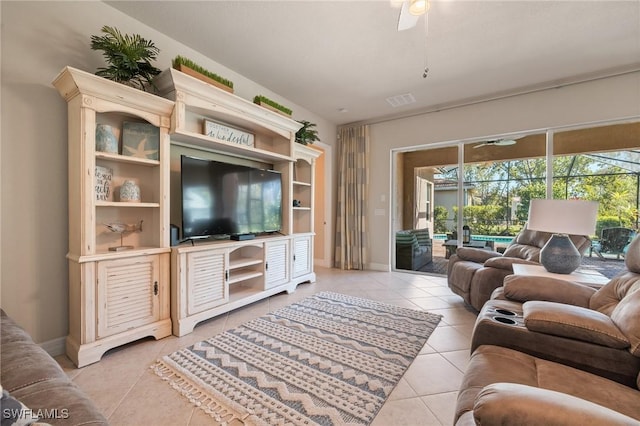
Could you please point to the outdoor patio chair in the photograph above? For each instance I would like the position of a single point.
(614, 241)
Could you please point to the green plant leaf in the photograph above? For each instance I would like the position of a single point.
(128, 57)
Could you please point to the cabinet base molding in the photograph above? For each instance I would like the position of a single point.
(182, 326)
(88, 353)
(306, 278)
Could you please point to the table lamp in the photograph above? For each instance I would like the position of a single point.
(562, 218)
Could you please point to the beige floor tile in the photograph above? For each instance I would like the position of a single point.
(405, 412)
(402, 391)
(152, 401)
(443, 405)
(439, 291)
(67, 366)
(446, 338)
(466, 329)
(458, 358)
(430, 303)
(455, 316)
(431, 373)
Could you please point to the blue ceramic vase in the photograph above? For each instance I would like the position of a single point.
(106, 140)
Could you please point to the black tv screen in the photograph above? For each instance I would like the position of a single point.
(228, 199)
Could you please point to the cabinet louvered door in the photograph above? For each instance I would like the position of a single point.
(206, 280)
(127, 294)
(277, 264)
(301, 256)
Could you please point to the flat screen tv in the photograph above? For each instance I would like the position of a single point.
(221, 199)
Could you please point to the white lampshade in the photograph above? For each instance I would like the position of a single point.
(574, 217)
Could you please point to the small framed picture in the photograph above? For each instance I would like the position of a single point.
(140, 140)
(228, 133)
(104, 175)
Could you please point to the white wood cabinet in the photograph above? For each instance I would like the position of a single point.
(256, 268)
(302, 255)
(206, 279)
(231, 274)
(277, 267)
(303, 212)
(115, 296)
(119, 295)
(127, 294)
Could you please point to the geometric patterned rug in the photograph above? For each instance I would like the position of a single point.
(330, 359)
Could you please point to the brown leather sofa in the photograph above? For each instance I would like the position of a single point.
(30, 376)
(524, 349)
(474, 273)
(593, 330)
(502, 386)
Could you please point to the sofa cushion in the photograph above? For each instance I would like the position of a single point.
(573, 322)
(477, 255)
(34, 378)
(524, 288)
(515, 404)
(406, 238)
(523, 251)
(626, 315)
(494, 364)
(422, 235)
(505, 262)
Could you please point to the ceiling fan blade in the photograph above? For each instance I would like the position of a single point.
(480, 145)
(406, 20)
(505, 142)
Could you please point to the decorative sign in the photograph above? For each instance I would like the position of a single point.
(104, 175)
(227, 133)
(140, 140)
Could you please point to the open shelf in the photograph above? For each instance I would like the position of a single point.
(125, 204)
(126, 159)
(236, 277)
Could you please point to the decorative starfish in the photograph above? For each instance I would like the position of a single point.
(140, 151)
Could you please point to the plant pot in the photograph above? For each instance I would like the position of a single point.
(202, 77)
(269, 107)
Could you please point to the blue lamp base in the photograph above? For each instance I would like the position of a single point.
(559, 255)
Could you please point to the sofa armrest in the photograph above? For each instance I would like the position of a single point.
(476, 255)
(573, 322)
(524, 288)
(506, 262)
(516, 404)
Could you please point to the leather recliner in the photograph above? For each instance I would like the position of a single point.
(474, 273)
(502, 386)
(593, 330)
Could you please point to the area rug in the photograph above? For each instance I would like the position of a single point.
(330, 359)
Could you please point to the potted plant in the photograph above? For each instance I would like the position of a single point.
(189, 67)
(271, 105)
(129, 58)
(307, 135)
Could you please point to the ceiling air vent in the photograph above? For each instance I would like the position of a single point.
(401, 100)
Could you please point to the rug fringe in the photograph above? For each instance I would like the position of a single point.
(195, 395)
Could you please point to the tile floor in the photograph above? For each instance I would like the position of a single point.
(129, 393)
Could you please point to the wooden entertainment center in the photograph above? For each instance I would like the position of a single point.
(120, 295)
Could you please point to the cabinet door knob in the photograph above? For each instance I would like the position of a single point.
(155, 288)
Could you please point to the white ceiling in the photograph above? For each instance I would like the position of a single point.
(333, 55)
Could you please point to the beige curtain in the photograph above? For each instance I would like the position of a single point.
(353, 189)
